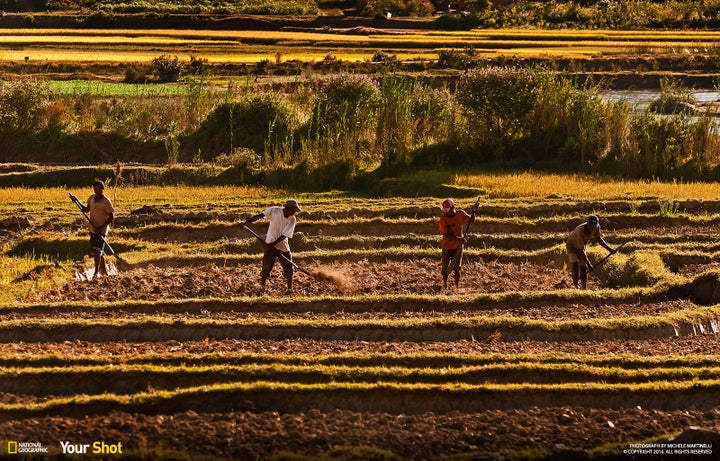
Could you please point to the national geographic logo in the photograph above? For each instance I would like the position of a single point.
(68, 448)
(21, 448)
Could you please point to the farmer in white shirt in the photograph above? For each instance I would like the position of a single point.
(281, 228)
(101, 212)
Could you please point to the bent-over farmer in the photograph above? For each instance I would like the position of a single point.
(580, 236)
(280, 230)
(101, 215)
(451, 228)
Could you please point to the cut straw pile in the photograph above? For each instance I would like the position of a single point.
(341, 280)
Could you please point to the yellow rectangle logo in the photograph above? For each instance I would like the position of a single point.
(12, 448)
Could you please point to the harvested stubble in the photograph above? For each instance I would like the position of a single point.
(342, 281)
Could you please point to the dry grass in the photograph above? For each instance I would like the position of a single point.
(343, 281)
(582, 187)
(126, 45)
(178, 195)
(526, 185)
(511, 35)
(212, 56)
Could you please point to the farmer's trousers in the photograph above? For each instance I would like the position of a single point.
(447, 255)
(97, 244)
(269, 257)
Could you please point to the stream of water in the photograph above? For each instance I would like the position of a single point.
(643, 98)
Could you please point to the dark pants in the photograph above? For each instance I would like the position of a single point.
(97, 245)
(268, 261)
(579, 274)
(97, 249)
(447, 255)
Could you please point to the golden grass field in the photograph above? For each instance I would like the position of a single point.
(527, 185)
(124, 45)
(538, 185)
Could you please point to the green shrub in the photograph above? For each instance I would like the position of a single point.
(674, 98)
(345, 97)
(381, 56)
(344, 120)
(665, 147)
(198, 102)
(24, 106)
(575, 126)
(99, 19)
(411, 116)
(198, 66)
(263, 122)
(241, 157)
(172, 147)
(457, 59)
(454, 21)
(166, 69)
(499, 103)
(434, 115)
(380, 8)
(141, 118)
(134, 75)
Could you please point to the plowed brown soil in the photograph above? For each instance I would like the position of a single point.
(682, 345)
(692, 270)
(249, 432)
(568, 432)
(574, 311)
(419, 276)
(252, 436)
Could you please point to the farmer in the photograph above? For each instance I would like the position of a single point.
(101, 215)
(576, 242)
(451, 228)
(281, 228)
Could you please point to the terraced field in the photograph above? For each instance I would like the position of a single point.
(180, 355)
(304, 44)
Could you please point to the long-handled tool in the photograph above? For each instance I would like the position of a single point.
(458, 254)
(608, 255)
(105, 244)
(340, 280)
(282, 255)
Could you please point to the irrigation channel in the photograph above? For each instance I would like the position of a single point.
(180, 353)
(643, 98)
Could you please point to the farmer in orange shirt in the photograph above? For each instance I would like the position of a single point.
(451, 228)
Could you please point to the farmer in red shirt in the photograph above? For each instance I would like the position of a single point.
(451, 228)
